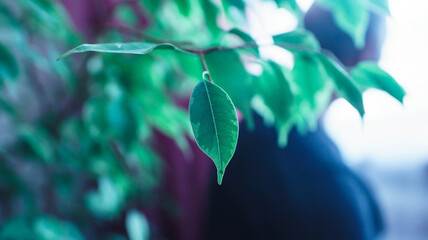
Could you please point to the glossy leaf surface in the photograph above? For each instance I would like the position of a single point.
(214, 124)
(124, 48)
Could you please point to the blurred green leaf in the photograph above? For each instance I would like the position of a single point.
(276, 94)
(184, 6)
(39, 142)
(8, 65)
(108, 200)
(228, 72)
(126, 14)
(380, 6)
(290, 5)
(351, 16)
(17, 229)
(313, 90)
(344, 83)
(370, 75)
(235, 11)
(297, 39)
(137, 226)
(214, 124)
(49, 228)
(246, 38)
(211, 12)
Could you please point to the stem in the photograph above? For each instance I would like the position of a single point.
(204, 64)
(200, 52)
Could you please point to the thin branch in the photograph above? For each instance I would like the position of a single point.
(201, 51)
(204, 64)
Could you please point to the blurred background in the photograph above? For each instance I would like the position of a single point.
(98, 146)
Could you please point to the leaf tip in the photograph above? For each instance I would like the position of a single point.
(220, 175)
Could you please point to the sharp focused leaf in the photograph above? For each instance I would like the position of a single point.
(369, 75)
(137, 226)
(297, 39)
(344, 83)
(227, 71)
(214, 124)
(351, 16)
(124, 48)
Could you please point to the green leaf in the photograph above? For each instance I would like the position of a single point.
(39, 142)
(49, 228)
(370, 75)
(214, 124)
(344, 83)
(227, 71)
(297, 39)
(380, 6)
(211, 12)
(288, 4)
(246, 38)
(124, 48)
(276, 94)
(137, 226)
(184, 6)
(108, 200)
(8, 66)
(351, 16)
(16, 229)
(313, 90)
(235, 11)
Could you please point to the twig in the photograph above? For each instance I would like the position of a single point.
(204, 64)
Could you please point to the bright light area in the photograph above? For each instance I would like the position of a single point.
(391, 134)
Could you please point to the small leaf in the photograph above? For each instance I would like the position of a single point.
(369, 75)
(235, 11)
(246, 38)
(137, 226)
(211, 12)
(380, 6)
(124, 48)
(313, 88)
(297, 39)
(184, 6)
(276, 94)
(228, 72)
(289, 4)
(50, 228)
(214, 124)
(344, 83)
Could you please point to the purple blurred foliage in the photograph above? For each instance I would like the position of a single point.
(179, 209)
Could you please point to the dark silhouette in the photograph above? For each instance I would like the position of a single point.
(303, 191)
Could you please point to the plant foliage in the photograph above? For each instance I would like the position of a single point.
(86, 124)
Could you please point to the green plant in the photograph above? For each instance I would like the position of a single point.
(99, 112)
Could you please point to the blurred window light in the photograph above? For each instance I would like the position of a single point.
(391, 134)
